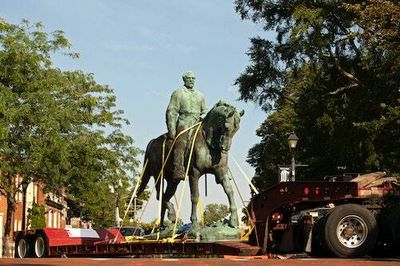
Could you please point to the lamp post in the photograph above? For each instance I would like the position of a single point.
(24, 188)
(292, 141)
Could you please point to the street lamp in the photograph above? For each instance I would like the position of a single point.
(292, 141)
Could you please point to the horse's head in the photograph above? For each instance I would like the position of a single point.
(220, 124)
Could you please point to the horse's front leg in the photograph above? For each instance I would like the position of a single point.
(224, 179)
(167, 205)
(194, 197)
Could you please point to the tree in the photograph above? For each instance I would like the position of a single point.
(59, 128)
(215, 212)
(36, 216)
(24, 81)
(332, 76)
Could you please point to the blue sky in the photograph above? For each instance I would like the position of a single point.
(141, 48)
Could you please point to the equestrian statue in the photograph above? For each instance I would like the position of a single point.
(209, 142)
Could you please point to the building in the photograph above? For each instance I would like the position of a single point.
(55, 206)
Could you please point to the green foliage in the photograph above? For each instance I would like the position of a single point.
(332, 75)
(60, 128)
(214, 212)
(36, 216)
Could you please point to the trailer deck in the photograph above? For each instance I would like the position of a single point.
(144, 248)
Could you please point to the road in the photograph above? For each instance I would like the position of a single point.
(228, 260)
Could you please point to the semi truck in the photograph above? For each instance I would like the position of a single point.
(322, 218)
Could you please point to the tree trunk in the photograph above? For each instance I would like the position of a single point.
(7, 227)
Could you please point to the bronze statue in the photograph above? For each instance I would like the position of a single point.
(210, 155)
(185, 109)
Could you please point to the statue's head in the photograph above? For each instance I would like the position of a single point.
(189, 79)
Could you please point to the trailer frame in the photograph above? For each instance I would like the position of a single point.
(270, 212)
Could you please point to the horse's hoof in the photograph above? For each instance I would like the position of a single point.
(171, 217)
(234, 223)
(195, 227)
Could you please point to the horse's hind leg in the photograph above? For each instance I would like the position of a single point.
(143, 183)
(171, 212)
(223, 177)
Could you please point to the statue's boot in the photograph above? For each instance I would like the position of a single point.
(179, 158)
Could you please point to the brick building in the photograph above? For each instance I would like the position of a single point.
(55, 206)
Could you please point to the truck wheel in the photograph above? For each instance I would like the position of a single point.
(23, 247)
(40, 247)
(351, 231)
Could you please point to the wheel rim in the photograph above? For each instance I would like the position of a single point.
(39, 247)
(22, 248)
(352, 231)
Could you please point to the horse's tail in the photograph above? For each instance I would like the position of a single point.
(147, 173)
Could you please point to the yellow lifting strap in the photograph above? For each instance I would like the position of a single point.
(240, 194)
(133, 196)
(186, 177)
(171, 148)
(201, 210)
(163, 165)
(243, 204)
(155, 225)
(245, 176)
(136, 188)
(245, 237)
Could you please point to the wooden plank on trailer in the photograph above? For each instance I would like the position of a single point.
(364, 180)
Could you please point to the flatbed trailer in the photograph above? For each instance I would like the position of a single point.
(344, 219)
(52, 242)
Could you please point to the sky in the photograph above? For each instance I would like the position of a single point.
(141, 48)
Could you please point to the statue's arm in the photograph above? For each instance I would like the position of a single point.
(172, 114)
(203, 110)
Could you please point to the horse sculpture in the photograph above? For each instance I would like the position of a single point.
(210, 155)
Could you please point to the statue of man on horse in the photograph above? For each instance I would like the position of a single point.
(206, 152)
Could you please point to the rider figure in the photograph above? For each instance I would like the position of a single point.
(185, 108)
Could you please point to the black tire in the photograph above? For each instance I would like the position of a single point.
(23, 247)
(40, 246)
(350, 231)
